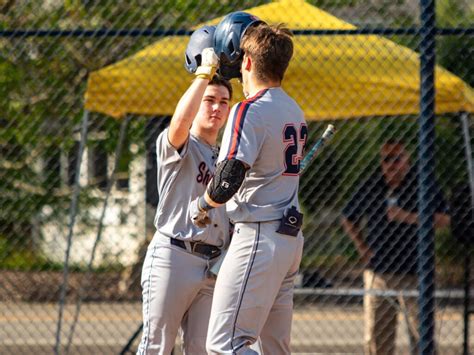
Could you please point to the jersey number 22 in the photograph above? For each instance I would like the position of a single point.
(295, 140)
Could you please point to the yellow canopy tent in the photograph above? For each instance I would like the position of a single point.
(331, 77)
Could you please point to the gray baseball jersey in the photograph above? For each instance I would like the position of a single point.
(268, 133)
(177, 292)
(182, 177)
(254, 289)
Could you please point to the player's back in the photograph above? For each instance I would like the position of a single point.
(272, 145)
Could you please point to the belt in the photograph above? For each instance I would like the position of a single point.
(206, 250)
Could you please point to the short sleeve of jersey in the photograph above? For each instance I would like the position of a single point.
(165, 152)
(244, 134)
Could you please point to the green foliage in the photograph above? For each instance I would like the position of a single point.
(22, 259)
(455, 52)
(451, 13)
(451, 165)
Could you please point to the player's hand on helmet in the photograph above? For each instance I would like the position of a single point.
(199, 217)
(209, 64)
(209, 58)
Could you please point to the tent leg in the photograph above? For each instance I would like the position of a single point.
(467, 258)
(110, 184)
(72, 221)
(468, 151)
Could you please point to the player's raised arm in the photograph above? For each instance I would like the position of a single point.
(204, 65)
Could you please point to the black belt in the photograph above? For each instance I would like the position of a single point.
(206, 250)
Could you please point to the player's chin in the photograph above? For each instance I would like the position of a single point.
(216, 122)
(215, 118)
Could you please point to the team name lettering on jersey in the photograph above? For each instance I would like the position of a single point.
(205, 175)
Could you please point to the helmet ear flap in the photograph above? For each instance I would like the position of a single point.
(188, 60)
(234, 45)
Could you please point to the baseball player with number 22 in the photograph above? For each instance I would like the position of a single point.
(257, 178)
(177, 286)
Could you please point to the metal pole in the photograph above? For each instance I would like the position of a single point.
(467, 258)
(110, 184)
(72, 222)
(468, 151)
(130, 341)
(426, 265)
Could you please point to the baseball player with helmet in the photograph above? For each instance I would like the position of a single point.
(177, 287)
(257, 177)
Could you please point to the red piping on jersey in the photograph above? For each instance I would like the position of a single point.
(238, 123)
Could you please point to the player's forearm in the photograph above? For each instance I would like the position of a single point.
(441, 220)
(186, 111)
(210, 201)
(398, 214)
(206, 203)
(227, 180)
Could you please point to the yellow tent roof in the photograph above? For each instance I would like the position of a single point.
(331, 77)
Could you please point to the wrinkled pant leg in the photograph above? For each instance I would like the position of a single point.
(408, 308)
(196, 320)
(380, 317)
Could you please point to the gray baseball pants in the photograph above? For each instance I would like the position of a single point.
(253, 296)
(177, 294)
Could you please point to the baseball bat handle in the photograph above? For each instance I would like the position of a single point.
(327, 135)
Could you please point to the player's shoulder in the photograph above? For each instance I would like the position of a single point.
(248, 108)
(279, 97)
(160, 139)
(245, 116)
(258, 97)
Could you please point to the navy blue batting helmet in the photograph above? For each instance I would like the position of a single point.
(227, 38)
(200, 39)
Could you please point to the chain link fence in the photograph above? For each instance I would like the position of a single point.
(78, 187)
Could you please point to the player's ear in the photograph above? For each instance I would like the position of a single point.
(247, 62)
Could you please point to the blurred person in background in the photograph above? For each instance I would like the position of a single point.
(382, 220)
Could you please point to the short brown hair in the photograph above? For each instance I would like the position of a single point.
(271, 49)
(220, 81)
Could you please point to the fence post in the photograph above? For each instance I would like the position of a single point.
(426, 266)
